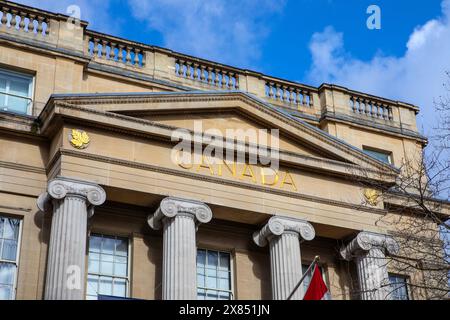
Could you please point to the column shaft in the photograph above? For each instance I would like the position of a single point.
(67, 248)
(373, 275)
(286, 266)
(179, 258)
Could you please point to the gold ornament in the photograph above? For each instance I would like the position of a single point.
(79, 139)
(372, 196)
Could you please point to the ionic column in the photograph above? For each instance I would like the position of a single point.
(369, 252)
(179, 219)
(72, 203)
(283, 235)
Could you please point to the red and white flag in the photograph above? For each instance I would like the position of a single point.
(317, 287)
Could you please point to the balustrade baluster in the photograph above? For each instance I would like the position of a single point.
(120, 53)
(224, 80)
(277, 90)
(210, 79)
(230, 80)
(30, 26)
(202, 73)
(112, 52)
(103, 52)
(95, 48)
(188, 69)
(136, 57)
(40, 27)
(4, 19)
(196, 71)
(271, 90)
(128, 56)
(216, 78)
(13, 21)
(22, 21)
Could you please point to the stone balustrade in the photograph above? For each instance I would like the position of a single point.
(103, 47)
(56, 31)
(206, 73)
(370, 107)
(289, 93)
(24, 20)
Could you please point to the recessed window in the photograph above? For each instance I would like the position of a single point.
(107, 267)
(9, 257)
(16, 92)
(381, 155)
(398, 287)
(308, 277)
(213, 275)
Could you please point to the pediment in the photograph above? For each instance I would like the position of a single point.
(300, 143)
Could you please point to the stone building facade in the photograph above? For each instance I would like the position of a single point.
(91, 201)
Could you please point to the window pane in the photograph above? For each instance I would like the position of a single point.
(2, 101)
(122, 247)
(95, 243)
(212, 259)
(94, 265)
(5, 292)
(201, 294)
(120, 269)
(224, 261)
(106, 267)
(120, 288)
(19, 87)
(7, 273)
(11, 229)
(9, 250)
(16, 104)
(201, 258)
(108, 245)
(105, 286)
(385, 157)
(92, 285)
(2, 83)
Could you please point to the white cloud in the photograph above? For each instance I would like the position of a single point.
(229, 31)
(96, 12)
(416, 76)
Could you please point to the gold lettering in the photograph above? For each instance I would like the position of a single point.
(247, 167)
(207, 166)
(182, 164)
(263, 177)
(290, 182)
(232, 169)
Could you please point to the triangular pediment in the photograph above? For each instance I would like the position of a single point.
(300, 143)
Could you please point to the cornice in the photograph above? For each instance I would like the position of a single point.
(328, 166)
(220, 96)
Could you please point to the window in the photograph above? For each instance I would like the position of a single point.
(398, 287)
(107, 267)
(213, 275)
(15, 92)
(384, 156)
(9, 256)
(308, 277)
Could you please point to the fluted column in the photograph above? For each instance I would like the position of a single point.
(179, 219)
(283, 235)
(72, 203)
(368, 250)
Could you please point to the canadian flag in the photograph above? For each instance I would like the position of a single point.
(317, 287)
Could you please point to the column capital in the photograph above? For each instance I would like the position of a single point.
(277, 225)
(366, 241)
(60, 187)
(171, 207)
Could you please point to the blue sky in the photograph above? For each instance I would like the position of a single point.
(310, 41)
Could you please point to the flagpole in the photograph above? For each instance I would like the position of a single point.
(316, 259)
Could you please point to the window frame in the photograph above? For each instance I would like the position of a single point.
(406, 279)
(23, 75)
(381, 151)
(17, 261)
(129, 253)
(231, 272)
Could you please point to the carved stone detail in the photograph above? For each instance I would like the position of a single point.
(283, 234)
(179, 219)
(73, 203)
(170, 207)
(366, 241)
(278, 225)
(369, 252)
